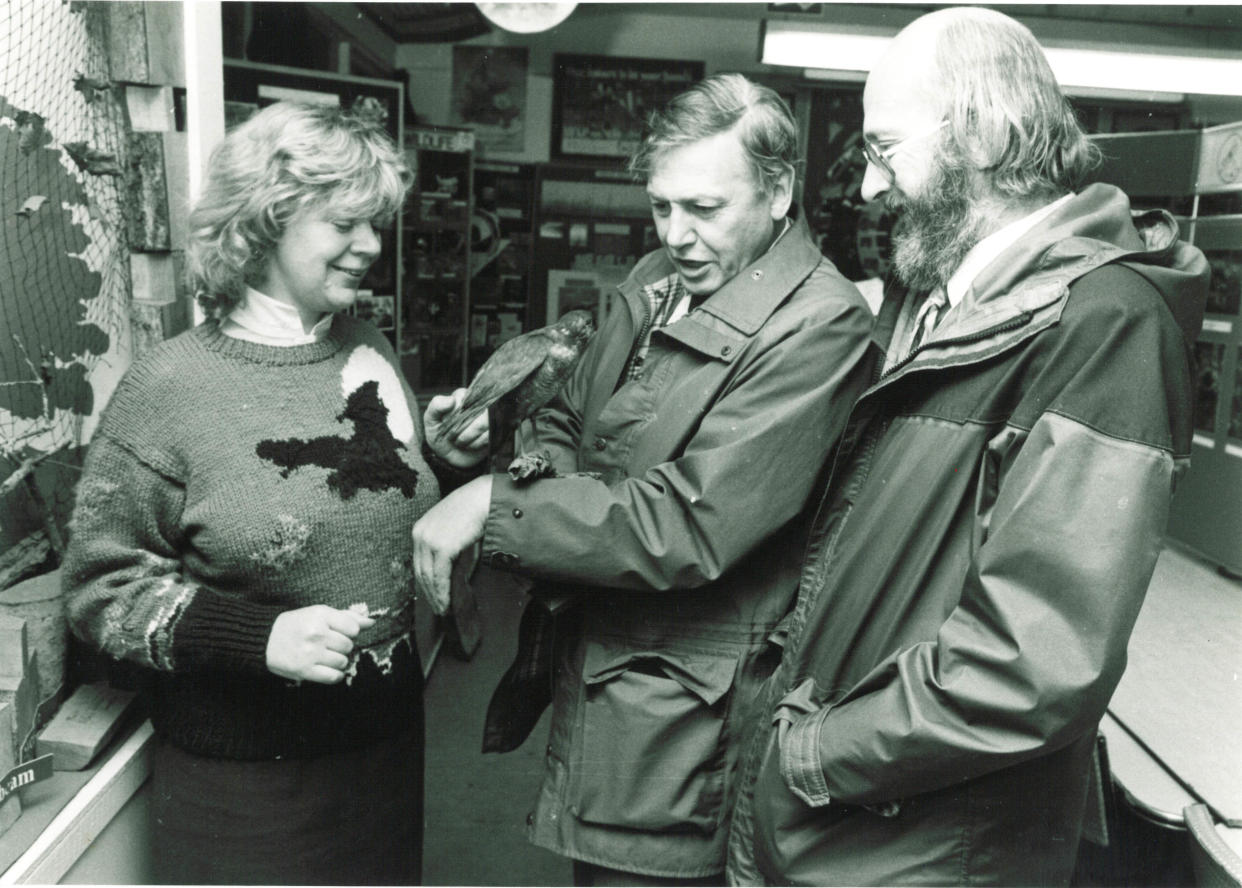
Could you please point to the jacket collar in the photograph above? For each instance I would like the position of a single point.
(748, 300)
(1024, 289)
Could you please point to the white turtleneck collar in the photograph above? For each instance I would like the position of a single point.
(267, 321)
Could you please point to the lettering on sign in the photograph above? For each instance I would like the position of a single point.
(25, 774)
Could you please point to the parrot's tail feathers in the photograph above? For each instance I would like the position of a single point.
(456, 423)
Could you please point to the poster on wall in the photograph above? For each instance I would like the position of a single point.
(569, 290)
(489, 95)
(600, 103)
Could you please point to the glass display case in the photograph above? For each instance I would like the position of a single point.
(502, 256)
(435, 300)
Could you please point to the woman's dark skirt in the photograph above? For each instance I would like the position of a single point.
(349, 818)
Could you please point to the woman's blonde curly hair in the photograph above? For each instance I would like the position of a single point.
(286, 158)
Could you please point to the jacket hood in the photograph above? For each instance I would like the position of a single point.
(1097, 226)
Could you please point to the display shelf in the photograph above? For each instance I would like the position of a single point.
(435, 302)
(502, 237)
(593, 224)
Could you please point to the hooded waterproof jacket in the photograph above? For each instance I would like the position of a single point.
(977, 563)
(682, 548)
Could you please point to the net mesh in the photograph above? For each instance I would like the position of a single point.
(64, 267)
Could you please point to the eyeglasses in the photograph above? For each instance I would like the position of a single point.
(880, 156)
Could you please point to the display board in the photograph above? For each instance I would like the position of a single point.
(600, 103)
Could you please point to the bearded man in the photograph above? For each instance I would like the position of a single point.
(997, 502)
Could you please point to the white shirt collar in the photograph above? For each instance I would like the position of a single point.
(267, 321)
(982, 253)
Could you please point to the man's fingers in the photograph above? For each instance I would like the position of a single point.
(426, 575)
(440, 584)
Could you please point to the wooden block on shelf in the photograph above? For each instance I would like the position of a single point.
(11, 807)
(84, 725)
(13, 649)
(22, 693)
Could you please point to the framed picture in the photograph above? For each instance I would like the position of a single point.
(568, 290)
(376, 309)
(489, 95)
(600, 103)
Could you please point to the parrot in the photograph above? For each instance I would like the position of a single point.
(521, 376)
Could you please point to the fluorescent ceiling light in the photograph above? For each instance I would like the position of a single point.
(1156, 74)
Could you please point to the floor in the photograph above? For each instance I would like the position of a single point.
(476, 805)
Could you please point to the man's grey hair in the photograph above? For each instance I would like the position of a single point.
(718, 104)
(1006, 113)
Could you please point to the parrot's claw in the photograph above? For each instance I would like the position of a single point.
(531, 466)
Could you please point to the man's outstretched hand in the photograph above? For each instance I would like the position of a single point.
(443, 533)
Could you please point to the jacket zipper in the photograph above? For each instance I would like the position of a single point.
(643, 330)
(1014, 323)
(866, 448)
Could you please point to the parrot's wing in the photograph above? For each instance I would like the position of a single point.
(507, 368)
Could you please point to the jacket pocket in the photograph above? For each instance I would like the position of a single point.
(650, 754)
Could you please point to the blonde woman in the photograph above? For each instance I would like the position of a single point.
(242, 527)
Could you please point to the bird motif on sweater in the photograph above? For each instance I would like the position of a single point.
(367, 459)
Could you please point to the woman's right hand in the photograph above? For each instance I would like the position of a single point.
(313, 643)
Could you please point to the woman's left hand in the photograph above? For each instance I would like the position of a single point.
(467, 448)
(443, 533)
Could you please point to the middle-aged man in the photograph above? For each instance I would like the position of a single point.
(998, 499)
(705, 408)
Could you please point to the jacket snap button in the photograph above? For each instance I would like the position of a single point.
(756, 274)
(726, 351)
(600, 443)
(517, 513)
(548, 751)
(530, 819)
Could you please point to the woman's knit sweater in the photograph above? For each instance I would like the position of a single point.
(231, 481)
